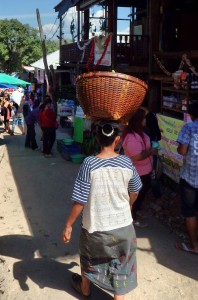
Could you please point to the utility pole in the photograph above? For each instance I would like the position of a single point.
(47, 71)
(61, 31)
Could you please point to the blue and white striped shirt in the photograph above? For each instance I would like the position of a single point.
(103, 186)
(189, 136)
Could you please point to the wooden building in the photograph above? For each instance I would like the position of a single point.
(162, 37)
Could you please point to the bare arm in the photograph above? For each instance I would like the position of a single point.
(133, 197)
(144, 154)
(75, 212)
(182, 149)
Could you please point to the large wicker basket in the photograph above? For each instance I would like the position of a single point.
(109, 95)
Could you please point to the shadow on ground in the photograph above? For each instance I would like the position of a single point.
(162, 245)
(45, 272)
(45, 187)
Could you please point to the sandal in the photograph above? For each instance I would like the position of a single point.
(185, 247)
(76, 284)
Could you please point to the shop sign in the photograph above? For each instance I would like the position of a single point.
(169, 157)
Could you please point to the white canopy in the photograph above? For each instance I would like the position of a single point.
(52, 59)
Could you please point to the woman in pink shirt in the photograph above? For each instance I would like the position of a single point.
(137, 146)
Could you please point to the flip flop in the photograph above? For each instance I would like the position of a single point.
(185, 247)
(76, 284)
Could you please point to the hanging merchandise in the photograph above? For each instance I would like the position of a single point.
(91, 55)
(189, 64)
(83, 48)
(102, 50)
(161, 66)
(184, 60)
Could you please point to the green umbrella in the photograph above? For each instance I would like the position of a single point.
(7, 79)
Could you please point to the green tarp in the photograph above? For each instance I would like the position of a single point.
(7, 79)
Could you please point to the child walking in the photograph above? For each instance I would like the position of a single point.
(105, 189)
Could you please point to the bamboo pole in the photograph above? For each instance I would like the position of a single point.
(47, 71)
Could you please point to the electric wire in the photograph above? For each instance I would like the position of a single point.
(49, 39)
(52, 28)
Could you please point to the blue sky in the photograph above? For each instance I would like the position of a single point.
(25, 12)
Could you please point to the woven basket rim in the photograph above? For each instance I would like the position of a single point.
(113, 75)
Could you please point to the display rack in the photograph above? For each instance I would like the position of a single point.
(175, 101)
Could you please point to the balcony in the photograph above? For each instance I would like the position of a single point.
(130, 50)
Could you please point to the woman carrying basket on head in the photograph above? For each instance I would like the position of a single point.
(105, 189)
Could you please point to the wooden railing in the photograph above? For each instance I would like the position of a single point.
(132, 49)
(72, 54)
(129, 49)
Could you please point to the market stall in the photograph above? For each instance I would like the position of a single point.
(7, 79)
(177, 92)
(65, 112)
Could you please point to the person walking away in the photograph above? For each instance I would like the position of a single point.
(31, 119)
(137, 146)
(106, 187)
(47, 120)
(26, 107)
(18, 119)
(3, 112)
(41, 108)
(188, 147)
(35, 99)
(6, 113)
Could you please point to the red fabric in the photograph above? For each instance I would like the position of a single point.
(47, 118)
(91, 55)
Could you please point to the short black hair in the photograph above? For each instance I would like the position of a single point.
(107, 131)
(47, 100)
(36, 104)
(193, 109)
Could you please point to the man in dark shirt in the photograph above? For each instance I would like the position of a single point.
(31, 120)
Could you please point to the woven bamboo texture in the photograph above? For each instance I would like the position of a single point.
(109, 95)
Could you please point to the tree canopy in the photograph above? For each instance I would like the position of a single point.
(20, 45)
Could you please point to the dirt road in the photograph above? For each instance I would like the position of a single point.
(35, 264)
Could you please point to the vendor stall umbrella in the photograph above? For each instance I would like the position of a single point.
(8, 86)
(7, 79)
